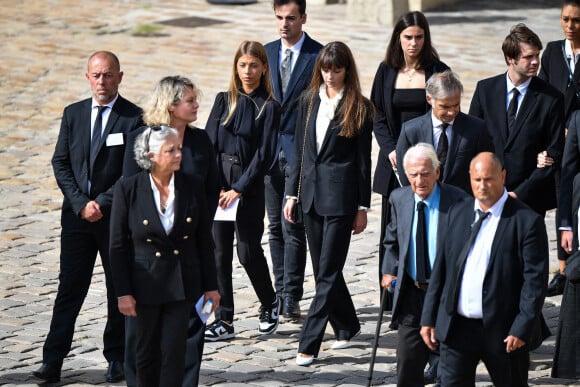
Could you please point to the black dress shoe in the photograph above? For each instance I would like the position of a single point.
(556, 285)
(50, 373)
(115, 372)
(291, 308)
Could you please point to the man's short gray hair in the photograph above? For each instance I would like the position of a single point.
(443, 85)
(421, 151)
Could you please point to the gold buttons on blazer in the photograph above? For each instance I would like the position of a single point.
(188, 219)
(145, 222)
(158, 254)
(149, 240)
(175, 252)
(185, 237)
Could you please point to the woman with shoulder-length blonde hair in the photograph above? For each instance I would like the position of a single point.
(331, 174)
(243, 126)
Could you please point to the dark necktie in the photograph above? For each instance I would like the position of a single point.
(286, 69)
(422, 246)
(452, 301)
(96, 136)
(442, 148)
(512, 110)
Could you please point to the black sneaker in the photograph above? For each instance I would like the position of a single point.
(219, 330)
(269, 318)
(556, 285)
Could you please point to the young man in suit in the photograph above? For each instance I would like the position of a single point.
(403, 256)
(485, 297)
(457, 137)
(291, 59)
(87, 161)
(526, 125)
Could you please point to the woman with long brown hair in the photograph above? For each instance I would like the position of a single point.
(331, 175)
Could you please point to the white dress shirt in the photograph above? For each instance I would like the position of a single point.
(470, 303)
(167, 217)
(325, 114)
(437, 130)
(523, 89)
(295, 52)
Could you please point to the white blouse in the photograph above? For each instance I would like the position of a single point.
(325, 114)
(167, 217)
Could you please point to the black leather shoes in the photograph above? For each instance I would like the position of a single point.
(115, 372)
(50, 373)
(556, 285)
(291, 308)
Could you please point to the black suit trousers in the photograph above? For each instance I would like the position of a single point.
(328, 239)
(161, 341)
(466, 345)
(248, 229)
(80, 242)
(287, 240)
(193, 352)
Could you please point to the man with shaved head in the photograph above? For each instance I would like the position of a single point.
(488, 285)
(87, 161)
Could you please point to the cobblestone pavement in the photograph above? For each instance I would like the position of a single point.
(44, 45)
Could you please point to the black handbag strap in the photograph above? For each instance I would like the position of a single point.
(571, 80)
(310, 104)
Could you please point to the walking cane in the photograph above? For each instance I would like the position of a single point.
(377, 334)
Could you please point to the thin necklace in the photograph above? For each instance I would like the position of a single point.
(410, 74)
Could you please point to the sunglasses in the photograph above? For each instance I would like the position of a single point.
(155, 128)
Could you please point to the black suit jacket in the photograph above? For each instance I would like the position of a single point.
(539, 127)
(70, 161)
(570, 168)
(515, 282)
(398, 235)
(556, 72)
(198, 162)
(299, 81)
(469, 137)
(336, 180)
(386, 132)
(146, 262)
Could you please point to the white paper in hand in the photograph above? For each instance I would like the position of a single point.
(229, 214)
(203, 310)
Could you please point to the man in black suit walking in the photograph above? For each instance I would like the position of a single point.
(403, 258)
(525, 116)
(87, 161)
(487, 289)
(291, 59)
(457, 137)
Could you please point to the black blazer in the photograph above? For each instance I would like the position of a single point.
(147, 263)
(556, 72)
(70, 160)
(398, 235)
(336, 180)
(299, 81)
(570, 168)
(539, 127)
(469, 137)
(197, 162)
(515, 282)
(252, 132)
(386, 132)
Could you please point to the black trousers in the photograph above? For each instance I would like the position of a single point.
(328, 239)
(80, 241)
(467, 344)
(161, 332)
(287, 240)
(193, 351)
(412, 353)
(248, 229)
